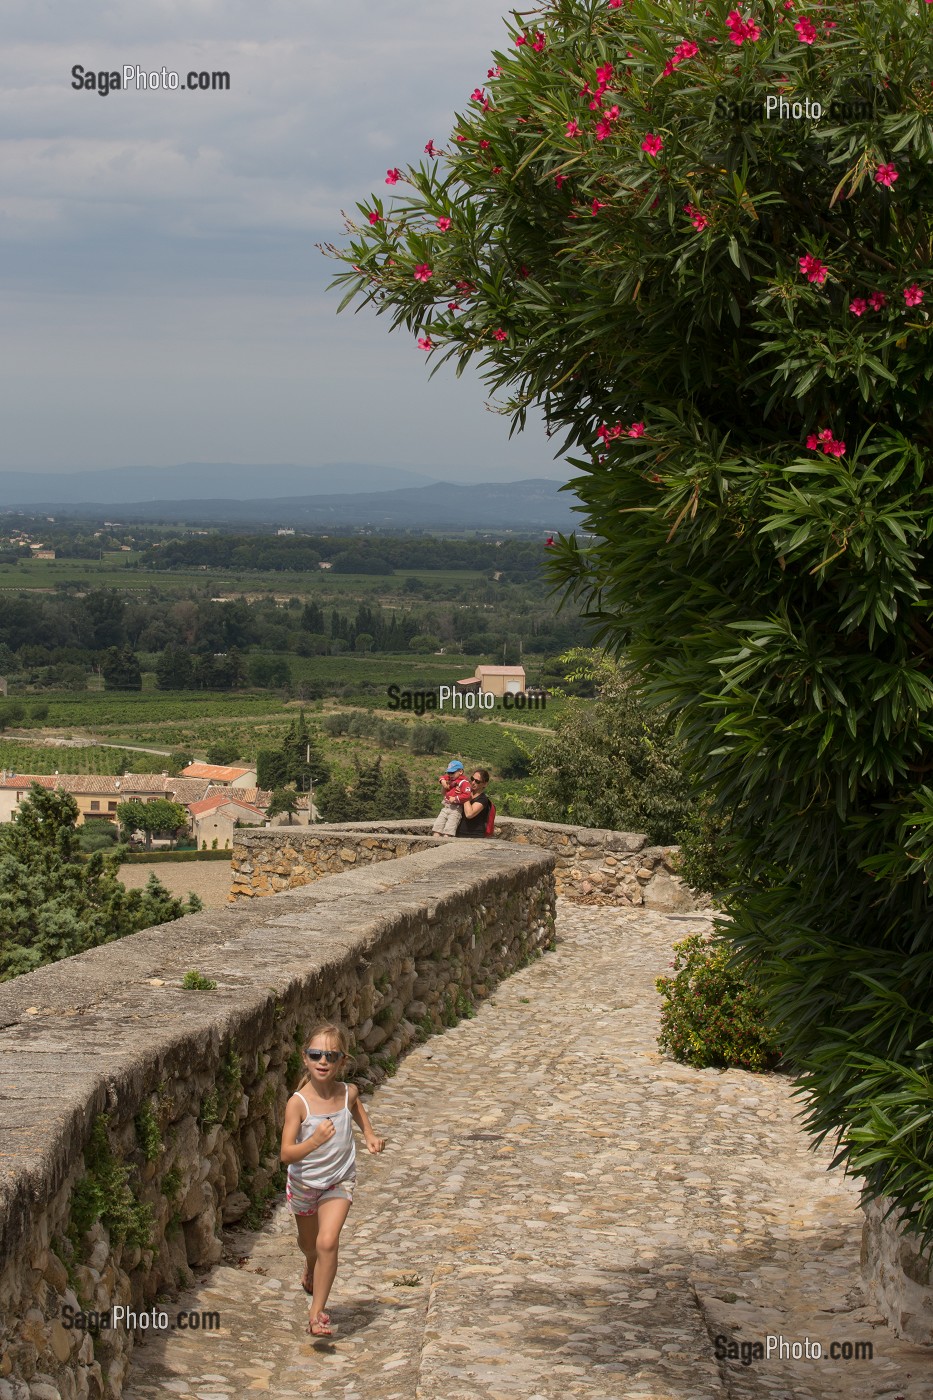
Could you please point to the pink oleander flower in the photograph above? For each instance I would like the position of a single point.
(604, 76)
(550, 539)
(688, 49)
(826, 443)
(520, 39)
(652, 144)
(461, 138)
(698, 220)
(539, 42)
(393, 177)
(500, 334)
(598, 204)
(423, 273)
(609, 434)
(477, 95)
(573, 129)
(603, 129)
(430, 149)
(443, 223)
(524, 271)
(741, 29)
(560, 180)
(877, 301)
(637, 430)
(813, 269)
(617, 4)
(425, 342)
(453, 306)
(858, 306)
(597, 103)
(806, 31)
(484, 145)
(886, 175)
(668, 68)
(493, 72)
(466, 288)
(913, 295)
(375, 217)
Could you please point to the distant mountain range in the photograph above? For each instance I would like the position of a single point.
(535, 504)
(199, 481)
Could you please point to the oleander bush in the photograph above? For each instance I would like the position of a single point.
(713, 1014)
(724, 317)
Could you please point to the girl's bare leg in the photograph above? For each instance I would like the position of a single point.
(307, 1243)
(331, 1215)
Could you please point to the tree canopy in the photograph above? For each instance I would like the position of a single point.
(54, 901)
(611, 764)
(723, 311)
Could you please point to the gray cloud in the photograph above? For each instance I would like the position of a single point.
(163, 297)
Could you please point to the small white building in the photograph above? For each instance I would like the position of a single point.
(495, 680)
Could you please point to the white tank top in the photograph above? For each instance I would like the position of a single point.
(334, 1160)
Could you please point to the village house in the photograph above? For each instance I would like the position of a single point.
(495, 680)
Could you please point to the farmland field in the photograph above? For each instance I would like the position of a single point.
(116, 571)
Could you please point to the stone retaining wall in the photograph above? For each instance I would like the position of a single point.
(899, 1277)
(137, 1117)
(612, 867)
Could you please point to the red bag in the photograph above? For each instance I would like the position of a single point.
(491, 819)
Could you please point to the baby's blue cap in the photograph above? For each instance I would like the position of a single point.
(455, 766)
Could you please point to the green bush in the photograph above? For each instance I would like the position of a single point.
(713, 1016)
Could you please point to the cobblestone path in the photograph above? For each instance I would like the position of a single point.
(560, 1213)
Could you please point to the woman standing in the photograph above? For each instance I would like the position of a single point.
(476, 808)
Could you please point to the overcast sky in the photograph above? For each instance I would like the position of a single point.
(163, 300)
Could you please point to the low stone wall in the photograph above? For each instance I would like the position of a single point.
(137, 1117)
(612, 867)
(899, 1277)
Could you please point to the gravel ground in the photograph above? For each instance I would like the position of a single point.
(209, 879)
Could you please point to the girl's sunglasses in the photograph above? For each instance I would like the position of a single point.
(331, 1056)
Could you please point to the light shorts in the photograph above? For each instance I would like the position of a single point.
(304, 1200)
(447, 820)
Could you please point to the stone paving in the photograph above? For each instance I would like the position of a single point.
(560, 1213)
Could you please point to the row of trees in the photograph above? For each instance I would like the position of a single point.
(204, 644)
(376, 794)
(346, 554)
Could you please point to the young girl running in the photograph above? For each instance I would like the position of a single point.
(317, 1144)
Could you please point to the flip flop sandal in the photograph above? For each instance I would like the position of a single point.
(319, 1326)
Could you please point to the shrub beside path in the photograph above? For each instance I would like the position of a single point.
(560, 1212)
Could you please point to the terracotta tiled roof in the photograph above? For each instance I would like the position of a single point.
(128, 786)
(210, 804)
(499, 670)
(216, 772)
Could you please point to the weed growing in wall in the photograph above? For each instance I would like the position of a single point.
(147, 1133)
(103, 1193)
